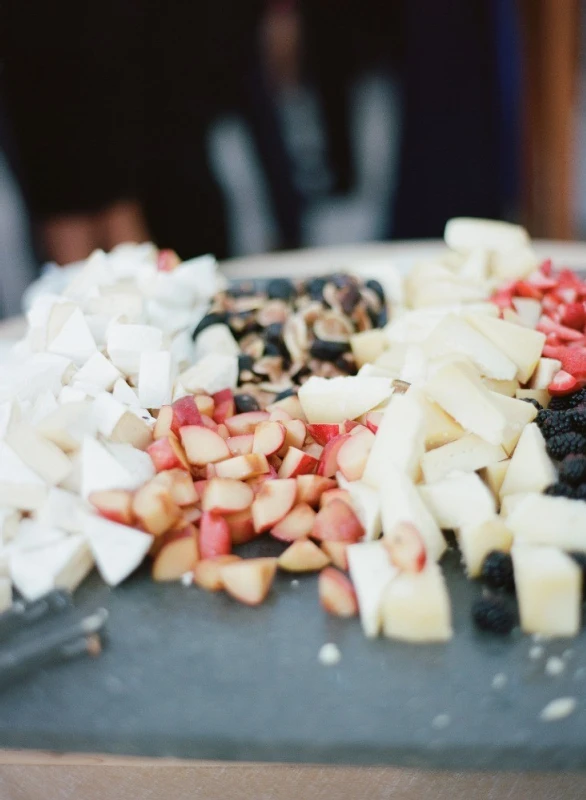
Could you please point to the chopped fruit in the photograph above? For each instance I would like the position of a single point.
(241, 526)
(185, 412)
(328, 463)
(269, 437)
(245, 423)
(240, 445)
(373, 420)
(547, 326)
(371, 572)
(291, 405)
(314, 450)
(337, 522)
(256, 483)
(166, 453)
(405, 548)
(494, 615)
(497, 571)
(563, 383)
(574, 316)
(399, 439)
(295, 433)
(573, 359)
(311, 487)
(224, 405)
(190, 515)
(203, 446)
(353, 454)
(477, 541)
(177, 556)
(337, 552)
(180, 486)
(163, 422)
(323, 432)
(298, 524)
(273, 502)
(572, 469)
(336, 593)
(167, 260)
(303, 556)
(226, 496)
(154, 508)
(335, 494)
(208, 422)
(214, 536)
(205, 404)
(207, 572)
(249, 581)
(565, 444)
(114, 504)
(223, 431)
(242, 467)
(416, 607)
(296, 462)
(278, 415)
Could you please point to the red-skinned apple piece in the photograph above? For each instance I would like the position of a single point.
(178, 555)
(114, 504)
(335, 494)
(278, 415)
(206, 573)
(336, 593)
(209, 423)
(224, 405)
(349, 425)
(223, 431)
(269, 437)
(226, 496)
(154, 508)
(249, 581)
(373, 420)
(337, 522)
(314, 449)
(185, 412)
(303, 556)
(324, 432)
(241, 526)
(406, 548)
(256, 483)
(354, 452)
(337, 552)
(167, 454)
(328, 463)
(162, 427)
(190, 515)
(205, 404)
(296, 462)
(203, 446)
(295, 434)
(291, 405)
(246, 422)
(180, 486)
(298, 524)
(240, 445)
(214, 536)
(311, 487)
(273, 502)
(243, 467)
(167, 260)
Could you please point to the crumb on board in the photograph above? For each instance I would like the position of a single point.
(558, 709)
(187, 578)
(294, 583)
(555, 665)
(536, 652)
(441, 721)
(499, 681)
(329, 655)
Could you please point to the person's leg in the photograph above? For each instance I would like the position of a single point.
(122, 222)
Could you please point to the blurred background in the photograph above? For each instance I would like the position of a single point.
(243, 126)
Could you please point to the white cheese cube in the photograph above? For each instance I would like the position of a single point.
(117, 549)
(508, 388)
(467, 234)
(20, 487)
(136, 462)
(459, 500)
(416, 607)
(97, 372)
(531, 469)
(399, 440)
(62, 509)
(72, 394)
(510, 502)
(10, 414)
(125, 394)
(212, 374)
(9, 519)
(32, 535)
(61, 565)
(466, 454)
(126, 343)
(74, 340)
(115, 422)
(100, 470)
(493, 475)
(371, 571)
(216, 339)
(557, 521)
(129, 305)
(478, 540)
(43, 405)
(67, 425)
(41, 455)
(522, 345)
(155, 379)
(518, 415)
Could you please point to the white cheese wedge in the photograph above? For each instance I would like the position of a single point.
(518, 415)
(531, 469)
(101, 470)
(467, 234)
(94, 272)
(556, 521)
(416, 607)
(212, 374)
(179, 391)
(476, 265)
(41, 455)
(459, 500)
(5, 594)
(522, 345)
(438, 427)
(510, 502)
(126, 343)
(542, 396)
(545, 372)
(467, 454)
(61, 565)
(399, 440)
(9, 519)
(215, 339)
(416, 325)
(366, 503)
(182, 349)
(339, 399)
(493, 475)
(20, 487)
(43, 405)
(508, 388)
(74, 340)
(478, 540)
(72, 394)
(38, 373)
(125, 394)
(371, 572)
(136, 462)
(549, 590)
(97, 372)
(401, 502)
(67, 425)
(61, 509)
(511, 264)
(117, 549)
(155, 379)
(32, 535)
(115, 422)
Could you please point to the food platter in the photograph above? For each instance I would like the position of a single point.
(190, 674)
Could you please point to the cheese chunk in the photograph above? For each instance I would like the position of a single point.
(371, 572)
(416, 607)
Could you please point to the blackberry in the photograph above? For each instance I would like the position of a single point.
(573, 469)
(533, 402)
(561, 489)
(497, 571)
(580, 559)
(315, 288)
(245, 402)
(577, 417)
(566, 401)
(564, 444)
(493, 615)
(580, 492)
(552, 423)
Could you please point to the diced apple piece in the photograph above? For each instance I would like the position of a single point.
(401, 502)
(328, 463)
(240, 445)
(464, 455)
(224, 405)
(335, 494)
(539, 519)
(269, 437)
(366, 504)
(493, 475)
(214, 536)
(241, 526)
(291, 405)
(226, 496)
(338, 399)
(337, 552)
(459, 500)
(531, 469)
(114, 504)
(167, 454)
(41, 455)
(303, 556)
(243, 467)
(416, 607)
(315, 450)
(177, 556)
(295, 433)
(180, 486)
(367, 346)
(207, 572)
(522, 345)
(311, 487)
(337, 522)
(354, 453)
(478, 540)
(545, 372)
(324, 432)
(208, 422)
(549, 590)
(185, 412)
(371, 572)
(245, 423)
(117, 549)
(163, 423)
(336, 593)
(298, 524)
(205, 405)
(203, 446)
(249, 581)
(296, 462)
(399, 440)
(273, 502)
(155, 509)
(528, 309)
(406, 548)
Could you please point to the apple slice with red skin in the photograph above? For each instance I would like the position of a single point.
(225, 405)
(180, 486)
(226, 496)
(406, 548)
(185, 412)
(214, 536)
(295, 435)
(269, 437)
(223, 431)
(208, 422)
(278, 415)
(336, 593)
(191, 515)
(273, 502)
(292, 405)
(167, 453)
(314, 449)
(206, 573)
(303, 556)
(337, 552)
(241, 526)
(177, 556)
(246, 422)
(242, 468)
(240, 445)
(205, 404)
(162, 426)
(311, 487)
(296, 462)
(298, 524)
(114, 504)
(210, 471)
(256, 483)
(337, 522)
(154, 508)
(203, 446)
(354, 452)
(328, 463)
(200, 486)
(249, 581)
(323, 432)
(335, 494)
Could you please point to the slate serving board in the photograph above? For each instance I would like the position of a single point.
(190, 674)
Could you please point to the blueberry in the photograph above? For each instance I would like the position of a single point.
(214, 318)
(246, 402)
(280, 289)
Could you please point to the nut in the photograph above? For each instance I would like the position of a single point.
(333, 327)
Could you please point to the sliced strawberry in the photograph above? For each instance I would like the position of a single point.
(574, 316)
(503, 298)
(568, 294)
(541, 281)
(551, 303)
(563, 383)
(573, 359)
(546, 268)
(547, 325)
(526, 289)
